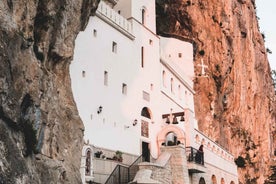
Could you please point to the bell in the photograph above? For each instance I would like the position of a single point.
(168, 120)
(174, 121)
(182, 119)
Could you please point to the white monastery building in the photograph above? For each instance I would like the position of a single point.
(134, 93)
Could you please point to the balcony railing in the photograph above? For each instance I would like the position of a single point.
(194, 155)
(114, 19)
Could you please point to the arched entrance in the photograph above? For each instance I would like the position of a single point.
(171, 139)
(214, 179)
(201, 181)
(172, 134)
(146, 112)
(88, 162)
(86, 168)
(222, 181)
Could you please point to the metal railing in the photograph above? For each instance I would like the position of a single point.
(133, 168)
(194, 155)
(122, 174)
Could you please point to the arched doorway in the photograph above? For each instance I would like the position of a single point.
(222, 181)
(168, 133)
(88, 162)
(146, 117)
(144, 11)
(214, 179)
(201, 181)
(146, 112)
(86, 167)
(232, 182)
(171, 139)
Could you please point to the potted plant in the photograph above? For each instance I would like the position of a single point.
(118, 156)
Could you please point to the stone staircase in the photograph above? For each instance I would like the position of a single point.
(170, 167)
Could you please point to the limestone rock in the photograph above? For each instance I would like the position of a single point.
(40, 130)
(235, 102)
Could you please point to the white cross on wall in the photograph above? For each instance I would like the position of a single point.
(202, 67)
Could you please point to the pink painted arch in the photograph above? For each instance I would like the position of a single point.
(161, 136)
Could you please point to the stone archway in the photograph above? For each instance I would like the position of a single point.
(162, 135)
(86, 168)
(201, 181)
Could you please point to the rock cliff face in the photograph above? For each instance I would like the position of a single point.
(40, 130)
(235, 100)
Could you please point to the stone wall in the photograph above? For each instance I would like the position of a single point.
(41, 134)
(178, 163)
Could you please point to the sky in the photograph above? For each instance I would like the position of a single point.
(267, 13)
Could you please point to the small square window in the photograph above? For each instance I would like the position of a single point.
(124, 89)
(95, 32)
(114, 47)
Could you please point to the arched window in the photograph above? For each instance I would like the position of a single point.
(146, 113)
(214, 148)
(232, 182)
(222, 181)
(208, 145)
(164, 78)
(88, 163)
(143, 15)
(197, 138)
(203, 141)
(179, 92)
(172, 85)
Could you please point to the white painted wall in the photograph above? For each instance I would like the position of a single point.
(113, 127)
(171, 50)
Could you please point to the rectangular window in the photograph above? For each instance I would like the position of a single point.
(146, 96)
(180, 55)
(105, 78)
(142, 57)
(124, 89)
(150, 41)
(114, 47)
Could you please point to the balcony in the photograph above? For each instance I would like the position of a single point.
(114, 19)
(195, 160)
